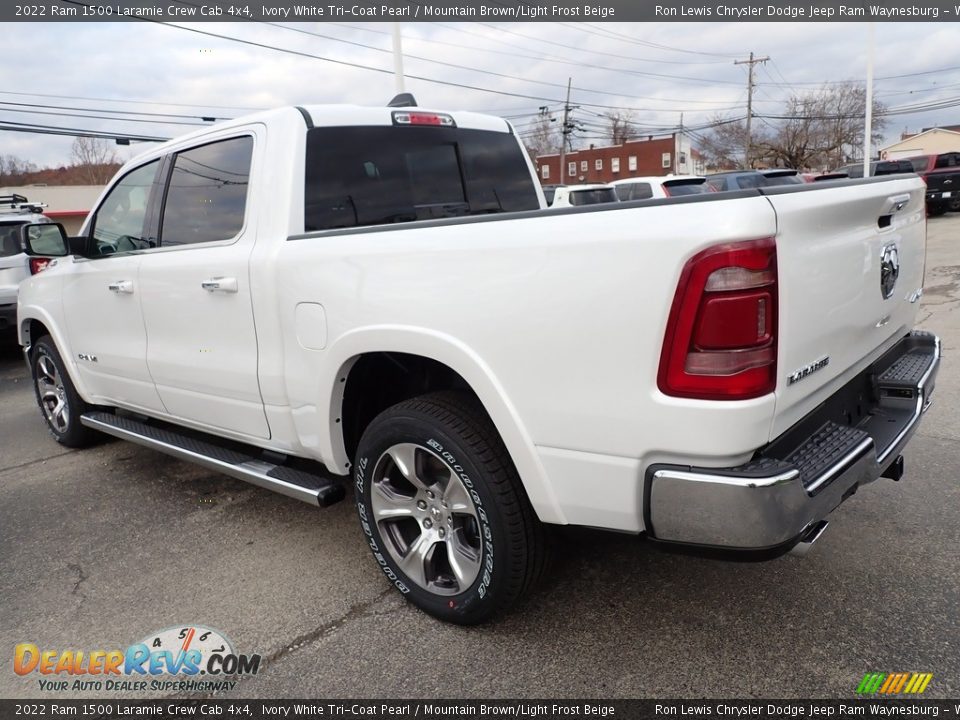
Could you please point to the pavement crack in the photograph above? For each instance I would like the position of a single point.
(329, 628)
(34, 462)
(81, 576)
(357, 611)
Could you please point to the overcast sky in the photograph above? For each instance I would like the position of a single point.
(143, 67)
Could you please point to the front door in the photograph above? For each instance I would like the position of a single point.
(102, 298)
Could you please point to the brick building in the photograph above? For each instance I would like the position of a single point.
(634, 158)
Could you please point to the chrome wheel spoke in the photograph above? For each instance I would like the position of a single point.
(405, 458)
(389, 505)
(414, 562)
(457, 498)
(47, 370)
(59, 414)
(464, 561)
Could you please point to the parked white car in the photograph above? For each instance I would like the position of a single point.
(580, 195)
(15, 212)
(328, 299)
(644, 188)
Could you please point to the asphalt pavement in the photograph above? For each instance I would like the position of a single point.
(100, 547)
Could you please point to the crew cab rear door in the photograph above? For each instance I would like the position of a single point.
(850, 260)
(202, 343)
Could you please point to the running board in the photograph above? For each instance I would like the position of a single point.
(313, 489)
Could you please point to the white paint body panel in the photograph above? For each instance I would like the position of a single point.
(555, 320)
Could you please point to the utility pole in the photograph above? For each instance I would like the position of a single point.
(397, 58)
(565, 131)
(868, 110)
(678, 148)
(751, 62)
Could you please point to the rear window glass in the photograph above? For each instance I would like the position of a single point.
(593, 197)
(920, 163)
(634, 191)
(948, 160)
(685, 187)
(10, 239)
(378, 175)
(783, 180)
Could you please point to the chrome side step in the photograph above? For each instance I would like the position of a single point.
(313, 489)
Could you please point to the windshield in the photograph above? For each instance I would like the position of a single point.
(377, 175)
(593, 197)
(10, 239)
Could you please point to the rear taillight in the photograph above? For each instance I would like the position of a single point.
(721, 339)
(38, 264)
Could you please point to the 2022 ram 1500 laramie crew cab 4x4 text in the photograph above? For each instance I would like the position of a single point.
(334, 298)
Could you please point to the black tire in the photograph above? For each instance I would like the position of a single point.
(59, 402)
(935, 209)
(456, 455)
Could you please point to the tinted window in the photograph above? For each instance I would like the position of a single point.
(754, 180)
(685, 187)
(377, 175)
(947, 160)
(593, 197)
(783, 180)
(118, 225)
(207, 194)
(10, 239)
(718, 184)
(634, 191)
(920, 163)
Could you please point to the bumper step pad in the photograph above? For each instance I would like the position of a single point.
(239, 461)
(907, 370)
(825, 449)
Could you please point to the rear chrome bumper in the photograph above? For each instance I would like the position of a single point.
(772, 502)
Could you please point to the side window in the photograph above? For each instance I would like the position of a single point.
(634, 191)
(207, 195)
(118, 225)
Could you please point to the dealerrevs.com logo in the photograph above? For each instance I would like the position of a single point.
(189, 658)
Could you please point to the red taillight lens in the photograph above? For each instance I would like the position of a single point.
(721, 339)
(38, 264)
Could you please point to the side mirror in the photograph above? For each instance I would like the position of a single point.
(44, 240)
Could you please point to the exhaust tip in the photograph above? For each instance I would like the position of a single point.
(808, 538)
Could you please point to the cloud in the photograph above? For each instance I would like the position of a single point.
(165, 69)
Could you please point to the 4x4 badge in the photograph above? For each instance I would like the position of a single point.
(889, 269)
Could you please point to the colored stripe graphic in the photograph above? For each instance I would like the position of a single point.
(894, 683)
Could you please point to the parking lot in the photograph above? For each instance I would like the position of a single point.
(101, 547)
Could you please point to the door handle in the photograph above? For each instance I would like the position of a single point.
(121, 287)
(220, 284)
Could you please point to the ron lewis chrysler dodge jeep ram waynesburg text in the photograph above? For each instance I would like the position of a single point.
(376, 301)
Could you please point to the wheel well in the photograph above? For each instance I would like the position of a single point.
(34, 330)
(382, 379)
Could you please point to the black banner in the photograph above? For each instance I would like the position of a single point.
(482, 10)
(527, 709)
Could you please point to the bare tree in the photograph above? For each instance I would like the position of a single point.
(621, 127)
(94, 159)
(13, 169)
(543, 136)
(816, 129)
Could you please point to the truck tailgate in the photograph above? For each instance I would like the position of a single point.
(850, 264)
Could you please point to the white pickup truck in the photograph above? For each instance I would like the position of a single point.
(323, 300)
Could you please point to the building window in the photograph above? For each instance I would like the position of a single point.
(598, 164)
(632, 163)
(545, 172)
(615, 164)
(571, 169)
(665, 160)
(583, 166)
